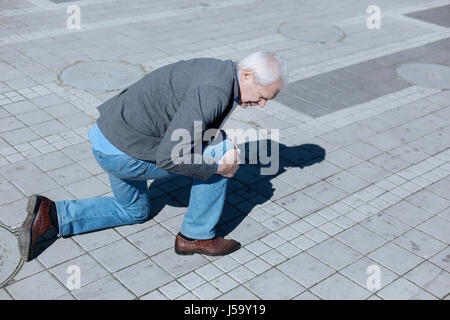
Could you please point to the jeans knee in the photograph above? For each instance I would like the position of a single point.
(139, 214)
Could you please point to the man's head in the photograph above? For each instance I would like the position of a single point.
(261, 77)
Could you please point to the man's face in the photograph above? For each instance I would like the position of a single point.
(253, 94)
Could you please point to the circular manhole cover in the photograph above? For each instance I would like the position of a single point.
(311, 33)
(101, 75)
(9, 255)
(428, 75)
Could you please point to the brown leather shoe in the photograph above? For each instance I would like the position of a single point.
(36, 224)
(212, 247)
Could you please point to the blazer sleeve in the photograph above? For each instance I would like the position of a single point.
(181, 149)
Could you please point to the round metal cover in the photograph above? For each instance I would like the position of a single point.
(101, 75)
(428, 75)
(9, 255)
(311, 33)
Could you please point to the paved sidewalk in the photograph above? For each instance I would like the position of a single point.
(363, 188)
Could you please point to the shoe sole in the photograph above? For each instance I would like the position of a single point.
(26, 229)
(189, 253)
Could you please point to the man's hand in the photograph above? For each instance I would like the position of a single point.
(229, 163)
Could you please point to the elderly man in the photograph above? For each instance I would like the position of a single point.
(134, 141)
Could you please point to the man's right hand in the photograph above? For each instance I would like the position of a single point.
(229, 163)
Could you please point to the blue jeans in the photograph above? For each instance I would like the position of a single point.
(131, 202)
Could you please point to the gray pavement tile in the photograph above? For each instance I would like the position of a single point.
(52, 160)
(369, 171)
(244, 231)
(390, 162)
(337, 287)
(77, 120)
(403, 289)
(438, 15)
(324, 169)
(305, 269)
(18, 136)
(363, 150)
(334, 253)
(59, 251)
(48, 128)
(361, 239)
(127, 230)
(317, 235)
(91, 165)
(20, 107)
(273, 190)
(28, 269)
(173, 225)
(395, 258)
(79, 151)
(362, 272)
(34, 117)
(39, 286)
(238, 293)
(298, 178)
(173, 290)
(306, 295)
(273, 257)
(343, 158)
(442, 259)
(47, 100)
(62, 110)
(69, 174)
(386, 140)
(224, 283)
(209, 271)
(310, 108)
(431, 278)
(178, 265)
(432, 143)
(386, 226)
(257, 265)
(441, 188)
(88, 188)
(152, 240)
(143, 277)
(437, 227)
(90, 270)
(443, 214)
(8, 193)
(408, 213)
(67, 296)
(154, 295)
(206, 292)
(348, 181)
(106, 288)
(300, 203)
(324, 192)
(273, 284)
(10, 123)
(118, 255)
(93, 240)
(420, 243)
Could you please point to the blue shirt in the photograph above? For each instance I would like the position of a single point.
(100, 143)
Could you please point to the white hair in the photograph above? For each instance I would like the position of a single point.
(266, 66)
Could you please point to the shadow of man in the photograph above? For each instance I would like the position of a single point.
(248, 183)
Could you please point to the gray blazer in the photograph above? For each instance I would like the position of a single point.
(140, 120)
